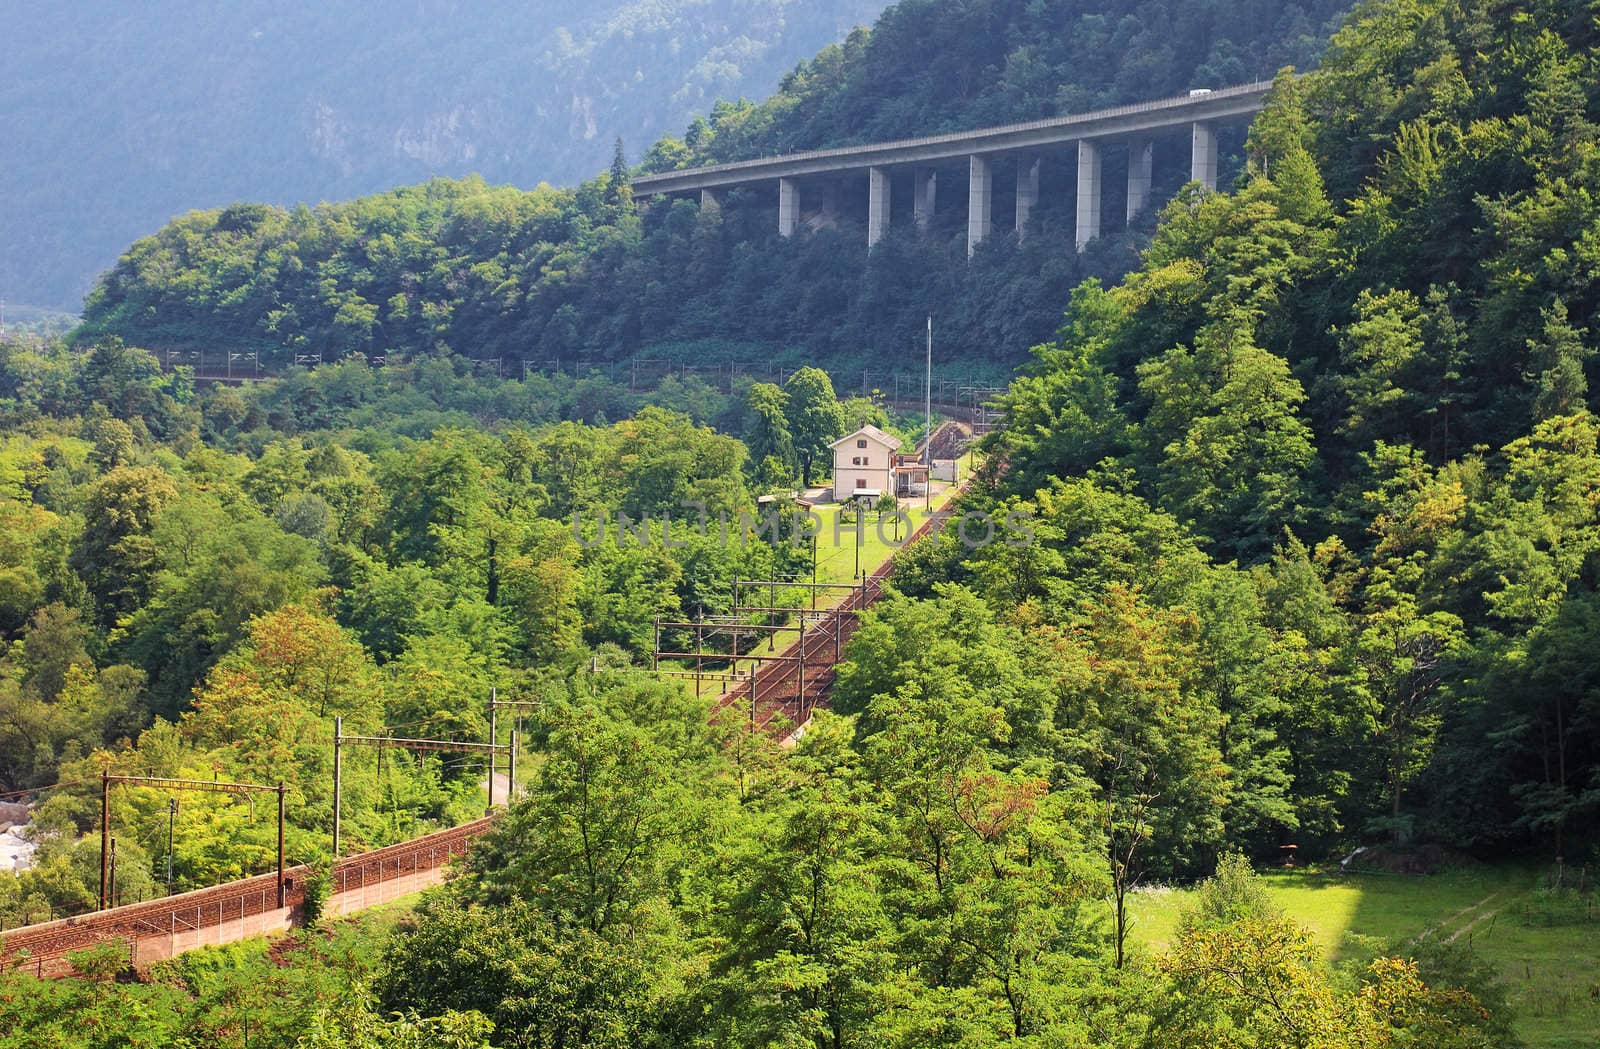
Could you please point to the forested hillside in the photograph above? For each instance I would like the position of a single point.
(575, 275)
(928, 67)
(1336, 432)
(1295, 528)
(117, 119)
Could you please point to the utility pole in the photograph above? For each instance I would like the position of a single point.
(283, 887)
(338, 775)
(511, 792)
(108, 844)
(490, 810)
(813, 572)
(800, 672)
(172, 814)
(105, 836)
(860, 515)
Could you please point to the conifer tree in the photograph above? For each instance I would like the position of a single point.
(1557, 359)
(619, 188)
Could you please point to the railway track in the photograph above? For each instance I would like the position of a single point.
(778, 699)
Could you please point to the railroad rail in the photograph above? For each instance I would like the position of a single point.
(778, 700)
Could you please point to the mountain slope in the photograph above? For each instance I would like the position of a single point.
(575, 276)
(116, 118)
(930, 66)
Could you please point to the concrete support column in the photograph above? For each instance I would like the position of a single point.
(979, 198)
(1203, 156)
(708, 199)
(925, 187)
(878, 204)
(1027, 192)
(788, 207)
(1140, 166)
(1088, 192)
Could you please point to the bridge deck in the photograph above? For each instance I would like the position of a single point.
(1119, 121)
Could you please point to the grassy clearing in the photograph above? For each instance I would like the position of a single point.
(1552, 973)
(836, 544)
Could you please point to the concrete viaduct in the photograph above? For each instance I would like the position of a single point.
(1132, 127)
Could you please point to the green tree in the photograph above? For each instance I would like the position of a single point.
(619, 190)
(1557, 359)
(808, 937)
(608, 818)
(766, 433)
(1131, 716)
(539, 981)
(815, 417)
(117, 556)
(1224, 432)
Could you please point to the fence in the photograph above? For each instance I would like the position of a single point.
(224, 913)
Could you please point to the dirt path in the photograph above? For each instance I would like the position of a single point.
(1474, 923)
(1462, 913)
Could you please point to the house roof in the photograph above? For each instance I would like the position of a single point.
(871, 433)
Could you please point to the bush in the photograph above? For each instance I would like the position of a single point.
(319, 887)
(1235, 892)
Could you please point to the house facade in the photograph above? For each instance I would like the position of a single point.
(863, 463)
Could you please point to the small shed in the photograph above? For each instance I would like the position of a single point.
(799, 503)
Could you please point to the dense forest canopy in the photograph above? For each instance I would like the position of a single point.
(115, 119)
(197, 583)
(1355, 391)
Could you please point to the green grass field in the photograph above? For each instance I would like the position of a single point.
(1552, 974)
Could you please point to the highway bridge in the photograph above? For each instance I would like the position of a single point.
(918, 161)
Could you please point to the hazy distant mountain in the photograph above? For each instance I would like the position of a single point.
(116, 116)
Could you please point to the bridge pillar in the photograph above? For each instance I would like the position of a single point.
(878, 204)
(1140, 164)
(1088, 192)
(979, 197)
(1203, 156)
(924, 187)
(788, 207)
(1027, 192)
(708, 199)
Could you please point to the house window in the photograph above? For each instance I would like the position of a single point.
(861, 482)
(860, 460)
(862, 443)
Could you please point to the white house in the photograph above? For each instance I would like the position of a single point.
(863, 463)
